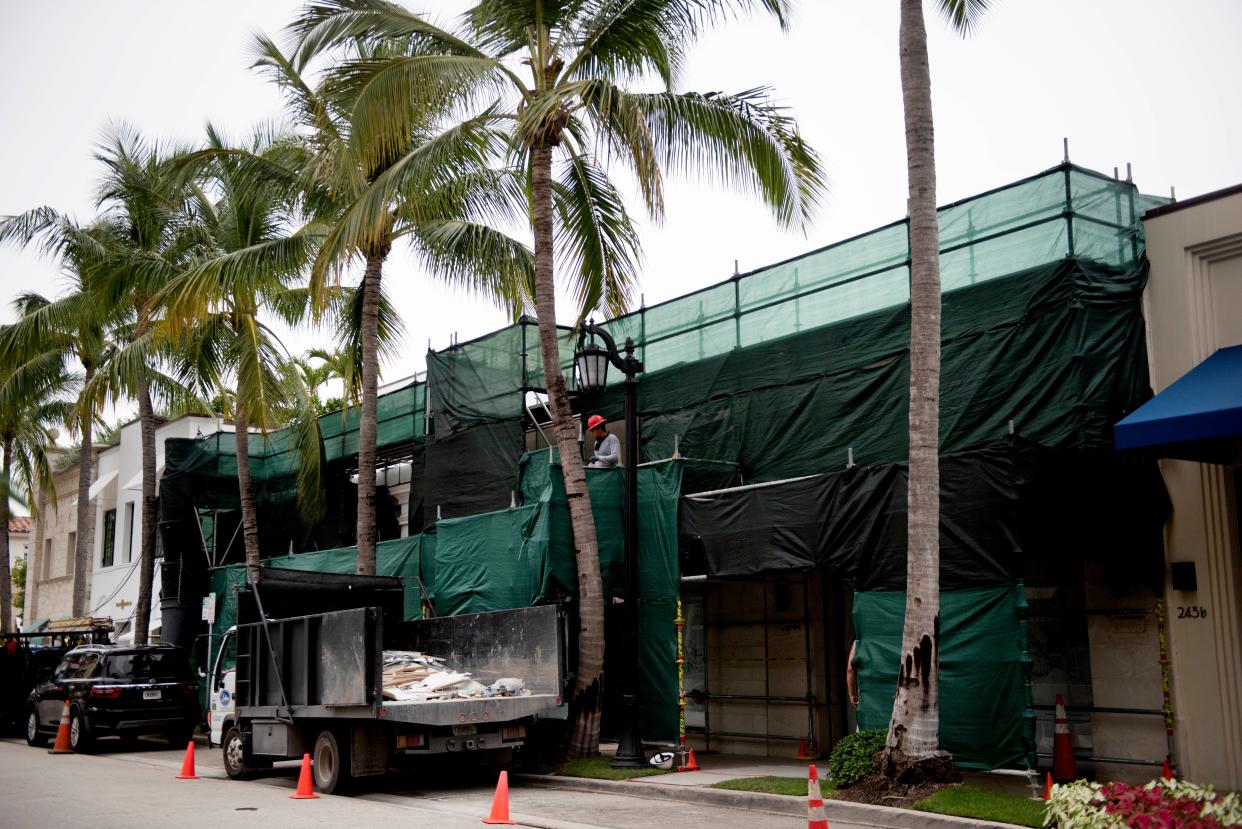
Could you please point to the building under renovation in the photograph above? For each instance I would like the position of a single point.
(772, 527)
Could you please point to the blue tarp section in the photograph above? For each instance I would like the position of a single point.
(1198, 417)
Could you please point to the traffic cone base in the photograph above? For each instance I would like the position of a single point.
(62, 744)
(1064, 767)
(815, 817)
(1048, 787)
(187, 765)
(691, 764)
(500, 802)
(306, 784)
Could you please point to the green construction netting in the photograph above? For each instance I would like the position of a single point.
(486, 379)
(1058, 350)
(1065, 212)
(203, 471)
(986, 720)
(523, 556)
(404, 557)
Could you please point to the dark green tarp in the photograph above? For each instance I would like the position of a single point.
(985, 715)
(522, 556)
(400, 557)
(1058, 349)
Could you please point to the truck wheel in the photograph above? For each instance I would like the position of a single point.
(331, 763)
(237, 764)
(34, 737)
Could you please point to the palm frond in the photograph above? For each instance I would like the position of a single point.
(307, 440)
(963, 15)
(595, 238)
(740, 140)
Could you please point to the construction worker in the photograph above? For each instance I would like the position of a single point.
(607, 454)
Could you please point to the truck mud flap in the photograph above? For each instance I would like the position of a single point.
(369, 750)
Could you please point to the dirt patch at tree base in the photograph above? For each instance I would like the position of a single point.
(912, 783)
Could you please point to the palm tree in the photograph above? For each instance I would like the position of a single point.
(426, 188)
(253, 254)
(144, 194)
(580, 58)
(914, 731)
(77, 325)
(34, 398)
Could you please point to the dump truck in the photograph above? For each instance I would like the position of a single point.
(302, 673)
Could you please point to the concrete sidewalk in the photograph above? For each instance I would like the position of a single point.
(696, 787)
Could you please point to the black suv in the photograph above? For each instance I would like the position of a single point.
(115, 690)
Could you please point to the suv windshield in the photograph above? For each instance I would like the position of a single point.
(162, 664)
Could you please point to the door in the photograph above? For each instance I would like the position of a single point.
(53, 693)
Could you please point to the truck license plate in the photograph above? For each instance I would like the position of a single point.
(151, 694)
(464, 730)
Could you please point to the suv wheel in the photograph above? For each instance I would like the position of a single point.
(34, 737)
(80, 738)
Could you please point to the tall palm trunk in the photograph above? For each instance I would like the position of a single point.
(250, 521)
(82, 552)
(6, 577)
(146, 557)
(366, 423)
(583, 739)
(914, 730)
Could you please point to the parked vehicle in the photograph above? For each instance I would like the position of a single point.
(312, 683)
(120, 691)
(27, 659)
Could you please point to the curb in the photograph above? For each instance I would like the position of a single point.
(776, 804)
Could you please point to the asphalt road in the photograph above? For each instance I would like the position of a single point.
(138, 788)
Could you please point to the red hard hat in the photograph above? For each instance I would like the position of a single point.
(594, 421)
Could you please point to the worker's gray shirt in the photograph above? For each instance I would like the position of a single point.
(607, 453)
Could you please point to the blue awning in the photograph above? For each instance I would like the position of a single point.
(1199, 417)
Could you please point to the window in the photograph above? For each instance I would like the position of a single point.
(109, 539)
(168, 665)
(46, 564)
(71, 554)
(129, 532)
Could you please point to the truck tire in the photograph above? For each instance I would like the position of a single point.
(330, 762)
(34, 737)
(238, 762)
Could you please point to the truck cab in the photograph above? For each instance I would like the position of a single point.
(222, 689)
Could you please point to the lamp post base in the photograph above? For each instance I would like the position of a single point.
(630, 750)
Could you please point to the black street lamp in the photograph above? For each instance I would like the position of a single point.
(592, 368)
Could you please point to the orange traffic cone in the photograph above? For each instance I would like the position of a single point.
(1064, 768)
(1166, 772)
(1048, 787)
(691, 764)
(500, 801)
(803, 754)
(187, 765)
(62, 745)
(306, 788)
(815, 818)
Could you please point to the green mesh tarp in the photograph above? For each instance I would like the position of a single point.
(486, 379)
(400, 557)
(1065, 212)
(1058, 350)
(203, 471)
(522, 556)
(399, 419)
(985, 716)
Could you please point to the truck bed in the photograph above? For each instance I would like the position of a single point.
(329, 665)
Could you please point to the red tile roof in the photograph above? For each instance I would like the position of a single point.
(19, 524)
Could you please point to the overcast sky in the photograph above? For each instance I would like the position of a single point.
(1152, 83)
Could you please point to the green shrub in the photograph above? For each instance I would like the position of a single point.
(851, 758)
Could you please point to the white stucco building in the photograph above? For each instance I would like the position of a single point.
(117, 494)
